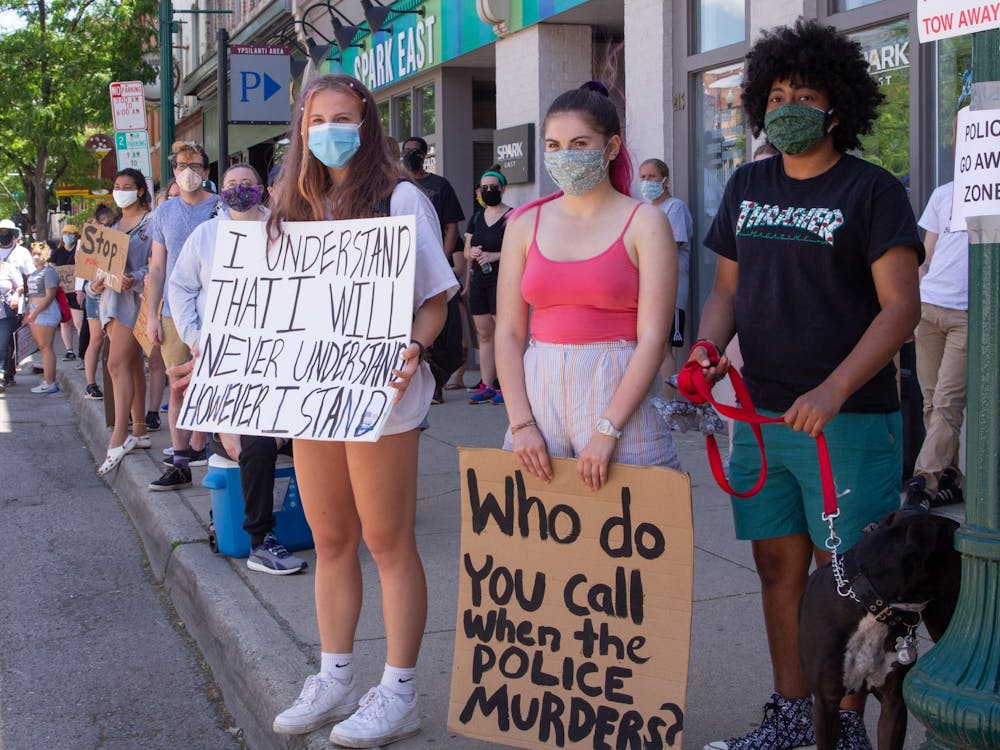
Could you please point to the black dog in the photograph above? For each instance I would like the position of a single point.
(906, 570)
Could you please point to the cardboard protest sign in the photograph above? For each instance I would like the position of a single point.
(67, 278)
(24, 344)
(574, 607)
(300, 337)
(102, 253)
(139, 329)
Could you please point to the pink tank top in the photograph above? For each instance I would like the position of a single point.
(582, 301)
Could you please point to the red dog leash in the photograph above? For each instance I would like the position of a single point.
(692, 384)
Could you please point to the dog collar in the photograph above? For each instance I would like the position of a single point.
(859, 589)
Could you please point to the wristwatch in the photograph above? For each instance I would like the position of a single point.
(605, 427)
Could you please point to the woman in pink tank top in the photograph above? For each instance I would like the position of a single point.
(596, 273)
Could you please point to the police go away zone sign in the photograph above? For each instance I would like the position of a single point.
(940, 19)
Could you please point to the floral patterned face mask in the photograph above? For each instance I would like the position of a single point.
(576, 171)
(242, 197)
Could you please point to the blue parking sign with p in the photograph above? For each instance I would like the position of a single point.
(260, 82)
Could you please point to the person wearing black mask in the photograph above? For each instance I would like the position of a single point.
(435, 187)
(483, 238)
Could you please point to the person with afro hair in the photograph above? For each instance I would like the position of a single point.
(817, 273)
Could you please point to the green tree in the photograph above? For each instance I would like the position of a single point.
(54, 87)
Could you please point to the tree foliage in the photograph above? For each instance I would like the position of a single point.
(54, 89)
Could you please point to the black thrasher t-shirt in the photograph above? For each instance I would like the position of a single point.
(805, 294)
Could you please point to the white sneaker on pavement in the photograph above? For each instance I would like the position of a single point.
(321, 701)
(382, 717)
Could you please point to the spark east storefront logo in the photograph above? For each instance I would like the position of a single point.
(765, 221)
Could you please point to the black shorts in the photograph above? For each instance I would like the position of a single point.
(482, 299)
(677, 329)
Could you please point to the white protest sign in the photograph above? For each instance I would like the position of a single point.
(940, 19)
(300, 338)
(977, 166)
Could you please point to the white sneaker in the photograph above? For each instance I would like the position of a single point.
(321, 701)
(382, 717)
(44, 387)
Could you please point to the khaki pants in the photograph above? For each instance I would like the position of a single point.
(942, 357)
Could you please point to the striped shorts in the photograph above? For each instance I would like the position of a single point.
(569, 388)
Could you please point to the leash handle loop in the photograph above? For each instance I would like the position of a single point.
(693, 385)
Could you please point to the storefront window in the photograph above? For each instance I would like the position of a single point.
(383, 117)
(954, 82)
(718, 23)
(403, 117)
(425, 108)
(721, 147)
(842, 5)
(887, 49)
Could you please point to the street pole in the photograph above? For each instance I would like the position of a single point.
(165, 34)
(955, 690)
(223, 94)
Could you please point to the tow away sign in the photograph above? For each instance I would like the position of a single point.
(940, 19)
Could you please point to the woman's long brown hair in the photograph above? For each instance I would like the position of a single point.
(307, 192)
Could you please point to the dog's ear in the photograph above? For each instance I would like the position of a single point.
(926, 537)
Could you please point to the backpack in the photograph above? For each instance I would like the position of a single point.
(63, 304)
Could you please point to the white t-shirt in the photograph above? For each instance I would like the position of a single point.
(20, 257)
(683, 225)
(946, 283)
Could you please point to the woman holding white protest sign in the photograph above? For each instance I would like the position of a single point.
(118, 313)
(339, 166)
(598, 272)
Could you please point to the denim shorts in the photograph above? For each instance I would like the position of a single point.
(93, 307)
(866, 452)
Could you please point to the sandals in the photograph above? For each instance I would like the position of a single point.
(115, 456)
(143, 441)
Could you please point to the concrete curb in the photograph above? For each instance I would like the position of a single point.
(238, 637)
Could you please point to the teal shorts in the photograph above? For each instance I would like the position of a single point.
(866, 452)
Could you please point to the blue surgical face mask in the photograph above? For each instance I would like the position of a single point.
(69, 240)
(650, 190)
(334, 143)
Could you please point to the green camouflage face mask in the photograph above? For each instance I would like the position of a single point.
(795, 128)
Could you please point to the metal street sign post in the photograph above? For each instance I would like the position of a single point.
(128, 105)
(259, 88)
(132, 150)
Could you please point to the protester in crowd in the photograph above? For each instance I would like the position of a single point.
(118, 312)
(43, 314)
(817, 272)
(65, 255)
(104, 215)
(172, 190)
(90, 298)
(242, 200)
(169, 227)
(17, 255)
(356, 490)
(483, 240)
(11, 294)
(942, 355)
(654, 187)
(445, 351)
(598, 271)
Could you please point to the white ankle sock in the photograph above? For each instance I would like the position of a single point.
(339, 666)
(400, 681)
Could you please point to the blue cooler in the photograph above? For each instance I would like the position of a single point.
(223, 479)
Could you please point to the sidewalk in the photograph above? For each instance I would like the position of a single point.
(258, 632)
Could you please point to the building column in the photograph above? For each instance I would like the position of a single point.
(533, 67)
(649, 74)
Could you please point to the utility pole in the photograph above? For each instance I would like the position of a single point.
(955, 690)
(166, 36)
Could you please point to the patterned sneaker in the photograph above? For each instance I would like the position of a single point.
(483, 396)
(497, 398)
(270, 556)
(852, 732)
(93, 393)
(381, 718)
(321, 701)
(917, 498)
(173, 478)
(787, 724)
(152, 421)
(45, 387)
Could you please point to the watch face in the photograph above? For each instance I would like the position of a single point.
(605, 427)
